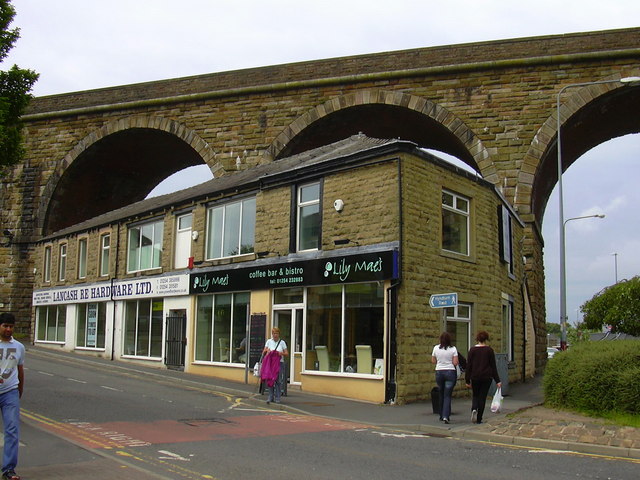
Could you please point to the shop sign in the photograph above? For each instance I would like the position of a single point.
(366, 267)
(165, 286)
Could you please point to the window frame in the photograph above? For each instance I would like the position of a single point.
(452, 315)
(83, 334)
(454, 209)
(217, 234)
(156, 246)
(46, 267)
(60, 326)
(507, 326)
(151, 347)
(299, 206)
(82, 257)
(505, 229)
(62, 262)
(105, 255)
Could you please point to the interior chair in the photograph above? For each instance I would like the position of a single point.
(364, 359)
(224, 350)
(323, 357)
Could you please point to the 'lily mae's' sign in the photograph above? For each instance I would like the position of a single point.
(365, 267)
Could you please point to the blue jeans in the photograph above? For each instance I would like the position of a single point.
(276, 391)
(10, 406)
(446, 380)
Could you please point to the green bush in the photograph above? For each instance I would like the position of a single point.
(595, 377)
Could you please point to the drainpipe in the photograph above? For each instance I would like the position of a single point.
(113, 317)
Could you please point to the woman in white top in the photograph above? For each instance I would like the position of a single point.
(445, 358)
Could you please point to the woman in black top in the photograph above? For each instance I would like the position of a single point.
(481, 371)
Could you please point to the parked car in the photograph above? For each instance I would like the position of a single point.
(551, 351)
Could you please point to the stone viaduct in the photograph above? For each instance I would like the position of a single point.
(491, 104)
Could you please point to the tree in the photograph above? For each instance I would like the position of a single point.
(617, 306)
(15, 85)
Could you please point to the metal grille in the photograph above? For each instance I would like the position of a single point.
(176, 341)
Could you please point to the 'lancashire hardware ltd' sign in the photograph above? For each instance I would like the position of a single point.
(366, 267)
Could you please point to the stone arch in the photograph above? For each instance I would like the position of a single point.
(460, 140)
(590, 115)
(118, 138)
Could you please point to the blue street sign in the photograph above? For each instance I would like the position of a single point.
(443, 300)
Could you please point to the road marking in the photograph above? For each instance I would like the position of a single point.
(75, 380)
(110, 388)
(173, 456)
(46, 373)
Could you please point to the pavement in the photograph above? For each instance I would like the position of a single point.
(523, 421)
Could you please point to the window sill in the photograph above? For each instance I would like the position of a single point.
(458, 256)
(322, 373)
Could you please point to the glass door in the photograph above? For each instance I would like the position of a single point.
(289, 321)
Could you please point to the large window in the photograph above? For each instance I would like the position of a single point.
(62, 264)
(145, 247)
(51, 323)
(105, 254)
(46, 267)
(506, 237)
(221, 325)
(458, 325)
(345, 328)
(82, 258)
(91, 325)
(231, 229)
(143, 328)
(308, 217)
(455, 223)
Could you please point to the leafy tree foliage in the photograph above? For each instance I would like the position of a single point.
(618, 306)
(15, 85)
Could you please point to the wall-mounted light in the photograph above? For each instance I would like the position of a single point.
(338, 205)
(194, 235)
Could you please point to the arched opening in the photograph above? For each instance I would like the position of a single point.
(116, 170)
(380, 121)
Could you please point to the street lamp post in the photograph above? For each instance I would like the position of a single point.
(615, 264)
(563, 283)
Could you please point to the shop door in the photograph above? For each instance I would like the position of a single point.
(176, 340)
(289, 322)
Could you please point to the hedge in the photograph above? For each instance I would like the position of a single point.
(595, 377)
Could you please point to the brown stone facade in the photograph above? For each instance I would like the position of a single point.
(492, 104)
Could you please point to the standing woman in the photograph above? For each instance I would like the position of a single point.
(273, 367)
(445, 358)
(481, 371)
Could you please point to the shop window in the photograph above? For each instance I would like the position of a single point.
(221, 326)
(288, 296)
(62, 264)
(82, 258)
(231, 229)
(506, 345)
(46, 267)
(51, 323)
(105, 254)
(91, 325)
(458, 325)
(143, 328)
(308, 218)
(506, 237)
(345, 328)
(455, 223)
(145, 247)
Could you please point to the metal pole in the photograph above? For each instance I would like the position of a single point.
(561, 222)
(615, 262)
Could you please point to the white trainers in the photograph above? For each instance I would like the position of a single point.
(474, 416)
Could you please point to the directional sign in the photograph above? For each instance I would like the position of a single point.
(443, 300)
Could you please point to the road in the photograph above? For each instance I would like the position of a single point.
(157, 426)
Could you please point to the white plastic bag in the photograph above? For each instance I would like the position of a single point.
(496, 403)
(257, 368)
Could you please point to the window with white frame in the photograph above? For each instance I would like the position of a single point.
(62, 264)
(221, 324)
(145, 246)
(82, 258)
(345, 328)
(231, 229)
(51, 323)
(308, 217)
(455, 223)
(143, 328)
(458, 325)
(105, 254)
(506, 237)
(506, 345)
(91, 325)
(46, 267)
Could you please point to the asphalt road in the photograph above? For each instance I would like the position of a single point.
(82, 414)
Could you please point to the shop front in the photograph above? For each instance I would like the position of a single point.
(331, 310)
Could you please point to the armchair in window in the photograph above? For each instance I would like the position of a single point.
(223, 353)
(364, 358)
(323, 357)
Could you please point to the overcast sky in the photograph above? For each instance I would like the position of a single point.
(80, 45)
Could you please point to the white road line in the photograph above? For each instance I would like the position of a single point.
(46, 373)
(172, 456)
(77, 381)
(110, 388)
